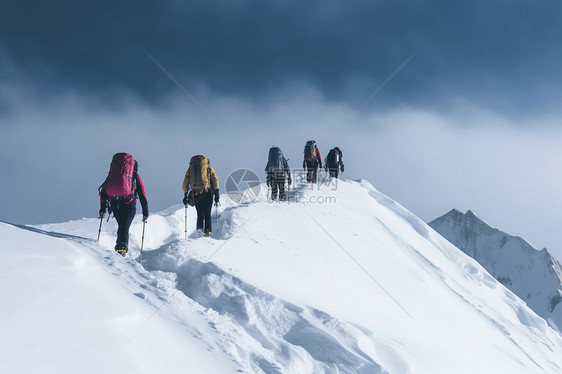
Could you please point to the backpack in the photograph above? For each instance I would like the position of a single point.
(333, 158)
(310, 150)
(199, 174)
(120, 184)
(275, 161)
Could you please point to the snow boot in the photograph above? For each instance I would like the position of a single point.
(121, 249)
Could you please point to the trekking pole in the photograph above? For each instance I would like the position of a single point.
(142, 240)
(185, 222)
(217, 215)
(99, 231)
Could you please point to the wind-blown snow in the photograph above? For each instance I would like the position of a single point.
(356, 284)
(533, 275)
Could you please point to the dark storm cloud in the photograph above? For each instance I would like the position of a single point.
(502, 53)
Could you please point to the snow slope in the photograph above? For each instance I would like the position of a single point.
(341, 280)
(69, 306)
(533, 275)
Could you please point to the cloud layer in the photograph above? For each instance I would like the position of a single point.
(55, 156)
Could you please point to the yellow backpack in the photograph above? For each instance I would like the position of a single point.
(199, 174)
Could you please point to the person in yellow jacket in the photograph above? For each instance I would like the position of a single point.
(199, 186)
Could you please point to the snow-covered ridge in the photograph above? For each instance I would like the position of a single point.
(354, 285)
(533, 275)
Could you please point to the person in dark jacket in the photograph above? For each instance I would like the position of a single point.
(124, 210)
(199, 185)
(277, 173)
(312, 161)
(334, 162)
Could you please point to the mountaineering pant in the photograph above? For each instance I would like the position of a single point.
(311, 170)
(204, 205)
(278, 186)
(124, 214)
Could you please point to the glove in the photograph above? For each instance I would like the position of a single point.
(342, 168)
(102, 209)
(217, 197)
(144, 216)
(289, 180)
(304, 165)
(187, 199)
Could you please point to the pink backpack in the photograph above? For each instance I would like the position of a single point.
(120, 183)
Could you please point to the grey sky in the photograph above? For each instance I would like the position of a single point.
(471, 122)
(255, 48)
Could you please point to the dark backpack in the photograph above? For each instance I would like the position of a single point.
(275, 161)
(310, 150)
(332, 160)
(120, 184)
(199, 174)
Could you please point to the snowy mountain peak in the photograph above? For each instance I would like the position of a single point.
(470, 215)
(469, 221)
(534, 275)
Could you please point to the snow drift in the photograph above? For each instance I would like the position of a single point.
(341, 280)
